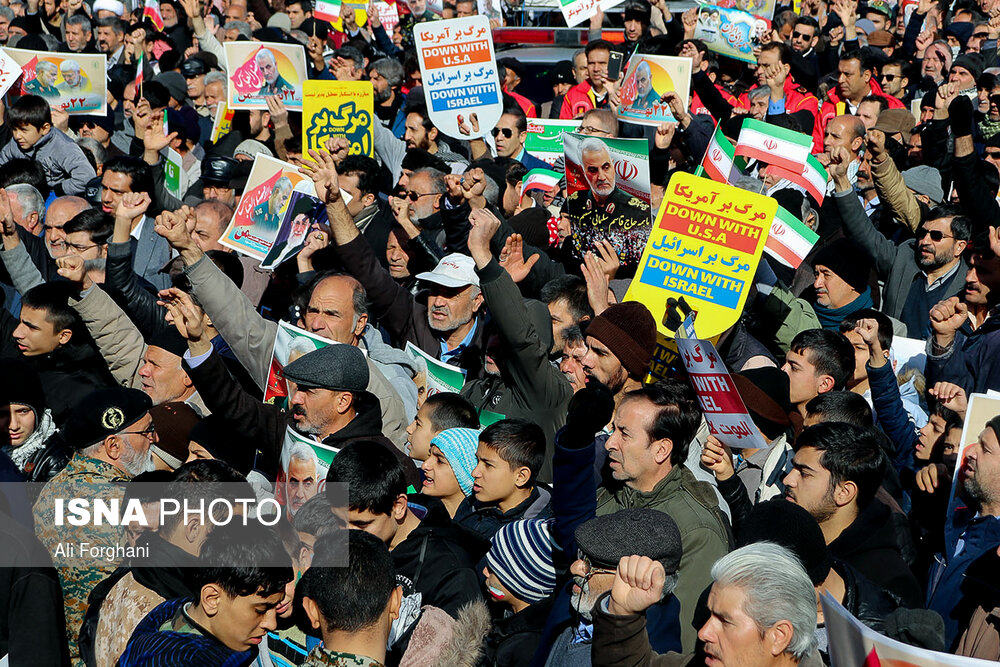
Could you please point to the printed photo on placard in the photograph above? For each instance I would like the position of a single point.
(75, 83)
(262, 69)
(730, 32)
(648, 79)
(302, 215)
(302, 471)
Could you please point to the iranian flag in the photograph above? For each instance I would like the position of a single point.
(789, 240)
(540, 179)
(813, 178)
(719, 160)
(28, 74)
(328, 11)
(139, 66)
(774, 145)
(151, 10)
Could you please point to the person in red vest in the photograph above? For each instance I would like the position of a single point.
(787, 97)
(595, 91)
(855, 81)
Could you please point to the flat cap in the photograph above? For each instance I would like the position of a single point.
(338, 367)
(640, 531)
(895, 121)
(103, 413)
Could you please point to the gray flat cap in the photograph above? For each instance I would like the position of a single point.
(640, 531)
(338, 367)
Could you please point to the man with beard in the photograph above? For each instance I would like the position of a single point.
(917, 273)
(604, 205)
(835, 474)
(646, 96)
(274, 83)
(600, 543)
(970, 533)
(111, 433)
(302, 481)
(266, 215)
(418, 132)
(386, 75)
(620, 344)
(44, 83)
(73, 81)
(297, 233)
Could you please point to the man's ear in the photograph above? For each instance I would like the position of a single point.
(399, 507)
(359, 328)
(960, 248)
(779, 637)
(64, 336)
(825, 384)
(312, 611)
(211, 599)
(368, 199)
(845, 493)
(662, 449)
(395, 602)
(45, 129)
(432, 134)
(522, 477)
(112, 447)
(477, 302)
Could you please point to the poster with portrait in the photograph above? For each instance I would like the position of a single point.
(608, 185)
(648, 78)
(73, 82)
(262, 206)
(730, 32)
(301, 471)
(434, 375)
(290, 343)
(10, 72)
(261, 69)
(981, 409)
(544, 139)
(457, 66)
(761, 8)
(303, 214)
(338, 109)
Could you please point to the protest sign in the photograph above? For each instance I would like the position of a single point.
(459, 75)
(75, 83)
(174, 175)
(223, 121)
(388, 15)
(721, 402)
(578, 11)
(302, 470)
(290, 343)
(704, 247)
(262, 206)
(544, 139)
(608, 185)
(854, 644)
(338, 109)
(981, 409)
(730, 32)
(435, 375)
(302, 215)
(908, 353)
(762, 8)
(261, 69)
(647, 80)
(9, 72)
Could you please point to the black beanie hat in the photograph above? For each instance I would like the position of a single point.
(847, 259)
(102, 413)
(629, 331)
(792, 527)
(22, 386)
(170, 340)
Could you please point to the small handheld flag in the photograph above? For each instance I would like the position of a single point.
(774, 145)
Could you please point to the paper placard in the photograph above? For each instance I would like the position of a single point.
(338, 109)
(261, 69)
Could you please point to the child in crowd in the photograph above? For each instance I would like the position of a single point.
(448, 469)
(438, 413)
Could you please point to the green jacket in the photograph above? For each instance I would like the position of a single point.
(705, 533)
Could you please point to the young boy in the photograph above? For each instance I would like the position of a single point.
(438, 413)
(509, 455)
(66, 168)
(354, 606)
(448, 469)
(234, 609)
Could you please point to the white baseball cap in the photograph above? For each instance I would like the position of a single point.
(454, 270)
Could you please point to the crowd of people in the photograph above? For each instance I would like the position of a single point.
(561, 508)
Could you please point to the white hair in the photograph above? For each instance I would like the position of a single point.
(776, 588)
(593, 145)
(302, 452)
(29, 199)
(267, 54)
(67, 65)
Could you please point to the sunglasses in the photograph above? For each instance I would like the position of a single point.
(801, 35)
(982, 35)
(935, 234)
(507, 132)
(993, 155)
(891, 77)
(415, 196)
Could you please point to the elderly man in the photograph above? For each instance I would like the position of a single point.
(73, 81)
(762, 608)
(79, 33)
(266, 215)
(604, 201)
(61, 210)
(110, 434)
(652, 429)
(274, 83)
(27, 206)
(646, 96)
(44, 83)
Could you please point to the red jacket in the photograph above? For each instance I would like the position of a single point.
(578, 100)
(797, 99)
(835, 106)
(526, 105)
(698, 107)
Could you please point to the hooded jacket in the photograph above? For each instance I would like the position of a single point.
(433, 559)
(972, 362)
(66, 167)
(486, 520)
(513, 639)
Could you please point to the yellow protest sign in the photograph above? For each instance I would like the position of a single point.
(704, 247)
(338, 109)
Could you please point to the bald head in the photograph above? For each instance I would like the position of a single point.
(210, 220)
(61, 211)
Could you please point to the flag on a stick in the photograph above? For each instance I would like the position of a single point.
(774, 145)
(720, 161)
(789, 240)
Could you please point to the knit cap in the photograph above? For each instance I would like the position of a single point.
(629, 331)
(848, 260)
(459, 446)
(521, 558)
(23, 386)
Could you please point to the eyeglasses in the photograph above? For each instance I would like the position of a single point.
(591, 570)
(935, 234)
(590, 129)
(891, 77)
(992, 155)
(507, 132)
(146, 433)
(82, 248)
(415, 196)
(801, 35)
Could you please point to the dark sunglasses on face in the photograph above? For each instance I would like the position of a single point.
(993, 155)
(415, 196)
(507, 132)
(936, 234)
(890, 77)
(801, 35)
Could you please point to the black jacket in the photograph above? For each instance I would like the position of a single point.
(434, 560)
(868, 602)
(870, 545)
(486, 520)
(513, 640)
(69, 374)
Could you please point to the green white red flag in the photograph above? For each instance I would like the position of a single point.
(151, 10)
(813, 177)
(789, 240)
(774, 145)
(540, 179)
(720, 160)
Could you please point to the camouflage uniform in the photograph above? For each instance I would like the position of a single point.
(83, 477)
(320, 657)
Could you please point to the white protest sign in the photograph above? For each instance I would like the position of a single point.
(722, 404)
(9, 72)
(578, 11)
(457, 64)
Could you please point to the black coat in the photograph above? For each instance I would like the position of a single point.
(69, 374)
(514, 639)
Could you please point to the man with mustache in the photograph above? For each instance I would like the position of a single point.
(601, 542)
